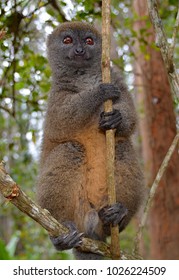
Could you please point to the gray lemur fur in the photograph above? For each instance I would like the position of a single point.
(72, 180)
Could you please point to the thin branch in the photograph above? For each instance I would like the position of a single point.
(153, 191)
(110, 140)
(161, 42)
(175, 32)
(7, 110)
(58, 8)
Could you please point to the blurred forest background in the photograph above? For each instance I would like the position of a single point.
(24, 85)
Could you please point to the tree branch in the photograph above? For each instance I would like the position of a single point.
(11, 191)
(161, 42)
(153, 191)
(175, 32)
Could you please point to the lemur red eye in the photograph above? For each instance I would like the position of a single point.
(89, 41)
(67, 40)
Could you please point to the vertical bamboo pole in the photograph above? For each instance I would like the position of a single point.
(110, 140)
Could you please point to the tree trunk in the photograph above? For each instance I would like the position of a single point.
(158, 128)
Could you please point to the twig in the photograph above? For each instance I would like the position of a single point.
(110, 140)
(153, 191)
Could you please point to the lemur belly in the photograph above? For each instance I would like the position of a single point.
(95, 166)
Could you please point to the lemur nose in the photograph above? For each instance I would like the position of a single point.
(79, 51)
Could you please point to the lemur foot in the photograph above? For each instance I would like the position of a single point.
(113, 214)
(69, 240)
(110, 120)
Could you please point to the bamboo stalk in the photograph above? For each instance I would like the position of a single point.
(110, 140)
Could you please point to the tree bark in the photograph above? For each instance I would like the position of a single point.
(158, 129)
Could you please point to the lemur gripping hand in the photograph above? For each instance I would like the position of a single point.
(109, 91)
(68, 240)
(110, 120)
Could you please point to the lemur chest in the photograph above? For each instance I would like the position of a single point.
(95, 165)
